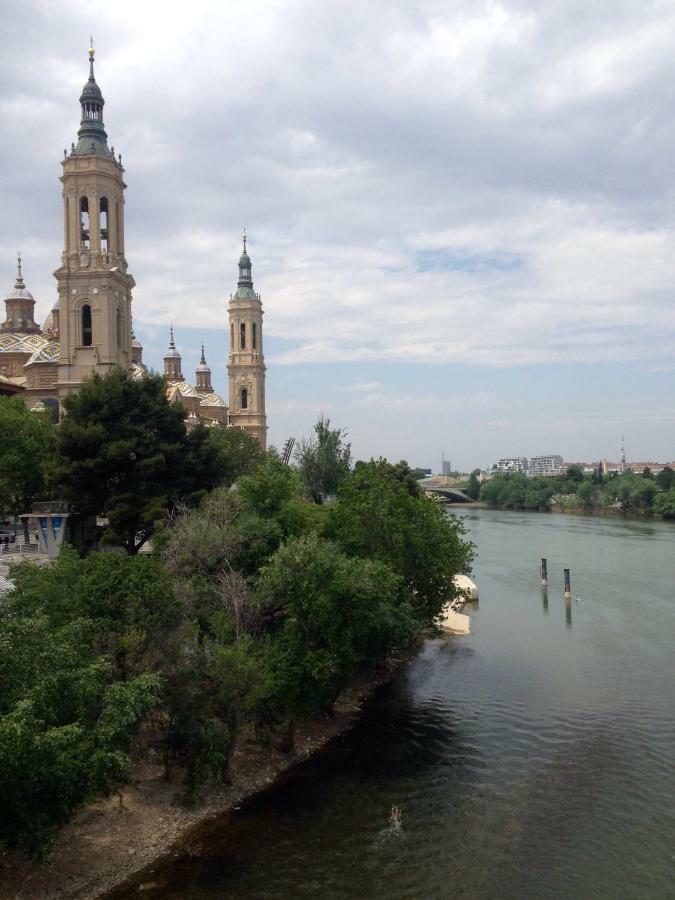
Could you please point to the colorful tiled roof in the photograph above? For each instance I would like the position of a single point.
(211, 400)
(49, 353)
(180, 387)
(13, 342)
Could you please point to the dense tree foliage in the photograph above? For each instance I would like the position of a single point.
(473, 487)
(80, 646)
(257, 607)
(628, 492)
(666, 478)
(664, 504)
(323, 460)
(237, 453)
(518, 492)
(378, 518)
(339, 613)
(26, 450)
(124, 454)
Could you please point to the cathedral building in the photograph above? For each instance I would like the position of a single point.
(89, 329)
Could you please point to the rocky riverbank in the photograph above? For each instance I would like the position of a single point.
(119, 839)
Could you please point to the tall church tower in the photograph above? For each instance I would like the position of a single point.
(246, 368)
(93, 284)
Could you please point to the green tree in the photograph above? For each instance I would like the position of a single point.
(666, 478)
(339, 614)
(82, 643)
(26, 450)
(647, 473)
(586, 493)
(124, 454)
(473, 488)
(574, 476)
(238, 453)
(518, 491)
(377, 518)
(664, 505)
(324, 460)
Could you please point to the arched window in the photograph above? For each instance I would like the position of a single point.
(231, 338)
(103, 222)
(84, 222)
(244, 398)
(254, 336)
(118, 230)
(242, 336)
(86, 326)
(119, 329)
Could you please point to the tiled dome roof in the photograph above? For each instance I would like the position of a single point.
(49, 352)
(13, 342)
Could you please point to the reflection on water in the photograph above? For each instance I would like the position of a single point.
(529, 759)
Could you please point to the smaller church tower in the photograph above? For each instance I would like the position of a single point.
(20, 305)
(172, 362)
(203, 376)
(246, 368)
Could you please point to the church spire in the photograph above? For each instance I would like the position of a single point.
(20, 304)
(203, 376)
(92, 137)
(172, 361)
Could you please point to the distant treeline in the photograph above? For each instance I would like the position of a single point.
(627, 493)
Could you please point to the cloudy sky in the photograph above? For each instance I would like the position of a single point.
(460, 212)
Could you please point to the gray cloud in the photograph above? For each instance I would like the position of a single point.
(359, 142)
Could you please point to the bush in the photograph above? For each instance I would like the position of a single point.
(664, 505)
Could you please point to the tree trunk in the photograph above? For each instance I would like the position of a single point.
(287, 744)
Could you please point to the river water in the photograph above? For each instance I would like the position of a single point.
(531, 759)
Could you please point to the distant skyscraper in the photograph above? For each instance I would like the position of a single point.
(446, 467)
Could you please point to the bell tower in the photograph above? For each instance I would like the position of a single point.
(93, 283)
(246, 368)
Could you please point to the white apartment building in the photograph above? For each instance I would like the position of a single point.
(509, 465)
(546, 465)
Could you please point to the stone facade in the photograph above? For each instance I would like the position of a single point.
(89, 329)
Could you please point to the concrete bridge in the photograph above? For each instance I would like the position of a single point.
(452, 495)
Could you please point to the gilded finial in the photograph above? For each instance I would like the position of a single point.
(244, 240)
(91, 59)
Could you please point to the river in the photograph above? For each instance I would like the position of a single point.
(531, 759)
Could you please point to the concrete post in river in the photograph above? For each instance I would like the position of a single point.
(544, 573)
(568, 592)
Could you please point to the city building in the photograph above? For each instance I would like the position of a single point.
(546, 465)
(89, 329)
(509, 465)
